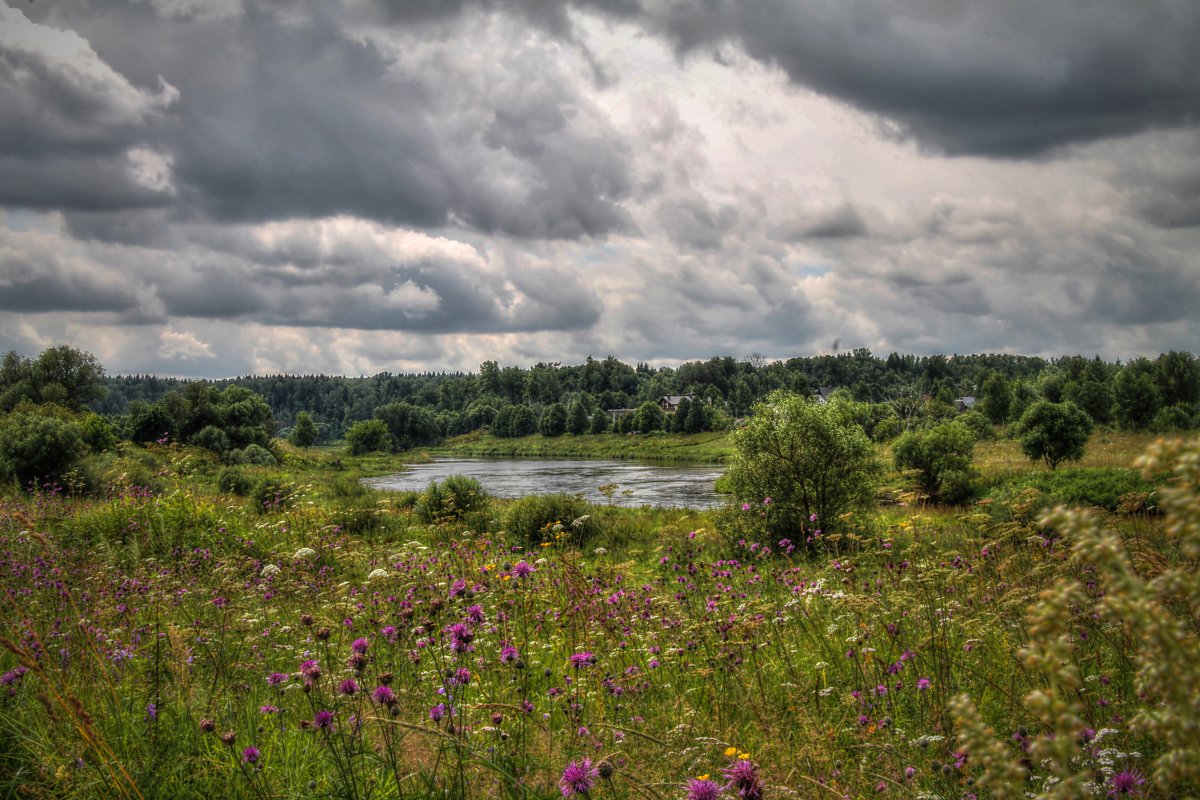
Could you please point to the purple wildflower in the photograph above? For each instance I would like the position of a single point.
(584, 659)
(578, 777)
(360, 645)
(151, 711)
(1126, 782)
(250, 755)
(522, 570)
(743, 778)
(438, 712)
(323, 720)
(509, 654)
(384, 695)
(278, 678)
(923, 684)
(348, 687)
(703, 789)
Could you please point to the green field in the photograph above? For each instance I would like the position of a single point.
(313, 638)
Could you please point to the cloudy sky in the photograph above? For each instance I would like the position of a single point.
(220, 187)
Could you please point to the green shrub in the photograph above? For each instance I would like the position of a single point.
(253, 455)
(452, 499)
(273, 494)
(233, 481)
(213, 439)
(34, 447)
(368, 436)
(1099, 487)
(941, 459)
(534, 519)
(980, 425)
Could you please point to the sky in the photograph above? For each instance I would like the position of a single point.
(211, 188)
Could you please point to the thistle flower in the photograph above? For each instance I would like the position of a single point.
(522, 570)
(323, 719)
(348, 687)
(250, 755)
(578, 777)
(384, 695)
(703, 789)
(743, 778)
(1126, 782)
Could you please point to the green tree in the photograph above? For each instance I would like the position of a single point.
(304, 432)
(1178, 378)
(809, 458)
(941, 457)
(600, 422)
(410, 426)
(1136, 398)
(995, 398)
(34, 446)
(648, 417)
(368, 436)
(62, 375)
(577, 419)
(1054, 432)
(554, 420)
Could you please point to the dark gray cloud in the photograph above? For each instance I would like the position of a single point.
(997, 79)
(289, 113)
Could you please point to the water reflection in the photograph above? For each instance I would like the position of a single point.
(680, 486)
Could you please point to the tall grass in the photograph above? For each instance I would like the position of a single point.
(220, 649)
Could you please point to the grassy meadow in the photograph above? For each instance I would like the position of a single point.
(293, 634)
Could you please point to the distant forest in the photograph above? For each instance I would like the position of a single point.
(1162, 393)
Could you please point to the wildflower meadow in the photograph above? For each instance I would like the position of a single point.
(177, 641)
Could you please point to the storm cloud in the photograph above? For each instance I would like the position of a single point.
(216, 188)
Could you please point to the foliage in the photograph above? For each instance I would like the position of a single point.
(409, 425)
(452, 499)
(252, 455)
(1131, 597)
(1053, 432)
(941, 457)
(368, 436)
(232, 480)
(648, 417)
(304, 433)
(1090, 487)
(34, 446)
(554, 420)
(536, 519)
(809, 458)
(62, 375)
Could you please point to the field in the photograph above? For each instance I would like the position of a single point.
(315, 639)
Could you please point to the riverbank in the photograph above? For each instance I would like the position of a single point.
(698, 448)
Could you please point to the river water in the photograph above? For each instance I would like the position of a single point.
(638, 484)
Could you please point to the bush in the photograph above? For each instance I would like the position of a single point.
(213, 439)
(809, 458)
(273, 494)
(368, 436)
(533, 519)
(253, 455)
(98, 433)
(452, 499)
(1098, 487)
(1054, 432)
(33, 446)
(233, 481)
(981, 426)
(941, 457)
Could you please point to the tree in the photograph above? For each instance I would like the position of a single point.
(409, 425)
(809, 458)
(304, 432)
(554, 420)
(1178, 378)
(35, 446)
(63, 375)
(942, 458)
(1136, 398)
(1054, 432)
(995, 398)
(600, 422)
(648, 417)
(577, 419)
(367, 436)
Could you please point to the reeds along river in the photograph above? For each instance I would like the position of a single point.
(638, 484)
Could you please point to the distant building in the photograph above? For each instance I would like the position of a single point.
(964, 403)
(670, 402)
(823, 393)
(617, 413)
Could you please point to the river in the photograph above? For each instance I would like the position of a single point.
(638, 484)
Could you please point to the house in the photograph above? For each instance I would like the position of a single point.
(617, 413)
(964, 403)
(824, 393)
(670, 402)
